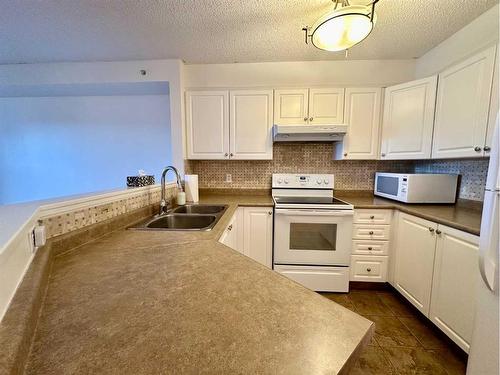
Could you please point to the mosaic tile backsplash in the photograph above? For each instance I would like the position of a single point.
(317, 158)
(70, 221)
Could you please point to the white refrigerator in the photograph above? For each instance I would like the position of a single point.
(484, 350)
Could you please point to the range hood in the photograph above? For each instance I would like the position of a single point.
(309, 133)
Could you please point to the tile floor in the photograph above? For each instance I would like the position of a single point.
(405, 342)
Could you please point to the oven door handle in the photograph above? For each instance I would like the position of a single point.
(307, 212)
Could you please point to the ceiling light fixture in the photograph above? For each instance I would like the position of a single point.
(343, 27)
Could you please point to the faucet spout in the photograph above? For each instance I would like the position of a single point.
(163, 202)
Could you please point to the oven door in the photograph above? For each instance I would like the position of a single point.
(313, 237)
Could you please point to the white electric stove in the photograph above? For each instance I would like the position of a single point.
(312, 231)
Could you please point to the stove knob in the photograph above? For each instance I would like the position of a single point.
(327, 181)
(318, 181)
(280, 180)
(286, 181)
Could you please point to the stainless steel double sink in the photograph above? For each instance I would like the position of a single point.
(190, 217)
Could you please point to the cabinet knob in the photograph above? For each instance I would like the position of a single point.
(270, 213)
(230, 228)
(226, 154)
(369, 270)
(477, 149)
(311, 118)
(370, 248)
(231, 155)
(305, 118)
(431, 229)
(487, 148)
(438, 231)
(372, 217)
(383, 155)
(345, 153)
(370, 232)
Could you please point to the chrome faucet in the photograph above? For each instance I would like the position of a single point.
(163, 202)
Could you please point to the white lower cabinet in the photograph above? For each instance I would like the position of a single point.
(454, 284)
(369, 268)
(415, 248)
(436, 270)
(250, 232)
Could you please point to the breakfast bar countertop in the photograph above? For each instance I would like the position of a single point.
(140, 302)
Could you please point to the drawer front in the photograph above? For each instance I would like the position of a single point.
(371, 232)
(368, 268)
(317, 278)
(368, 247)
(372, 216)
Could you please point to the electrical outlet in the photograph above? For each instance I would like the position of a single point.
(229, 177)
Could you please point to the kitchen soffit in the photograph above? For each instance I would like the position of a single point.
(220, 31)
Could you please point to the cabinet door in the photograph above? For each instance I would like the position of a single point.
(494, 106)
(408, 120)
(258, 234)
(462, 106)
(290, 106)
(229, 237)
(251, 122)
(362, 115)
(454, 284)
(415, 248)
(326, 106)
(207, 120)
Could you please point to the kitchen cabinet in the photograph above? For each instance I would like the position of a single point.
(462, 106)
(258, 234)
(415, 249)
(318, 106)
(494, 106)
(229, 124)
(408, 120)
(362, 115)
(251, 123)
(454, 284)
(230, 235)
(207, 124)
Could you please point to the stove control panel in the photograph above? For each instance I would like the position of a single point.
(303, 181)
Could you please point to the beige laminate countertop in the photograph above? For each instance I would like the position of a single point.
(465, 215)
(136, 302)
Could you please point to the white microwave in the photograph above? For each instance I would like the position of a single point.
(417, 188)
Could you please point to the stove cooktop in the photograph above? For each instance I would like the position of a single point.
(310, 200)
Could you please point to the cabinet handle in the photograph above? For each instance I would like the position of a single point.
(230, 228)
(231, 155)
(383, 155)
(311, 118)
(370, 248)
(370, 232)
(372, 217)
(305, 118)
(477, 149)
(438, 231)
(345, 153)
(369, 269)
(226, 154)
(431, 229)
(487, 148)
(270, 213)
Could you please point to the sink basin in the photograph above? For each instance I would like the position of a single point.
(182, 222)
(200, 209)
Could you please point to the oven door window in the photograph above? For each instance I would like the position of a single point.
(313, 236)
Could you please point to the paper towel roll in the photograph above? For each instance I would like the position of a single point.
(191, 187)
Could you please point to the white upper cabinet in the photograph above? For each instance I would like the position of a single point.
(291, 106)
(251, 122)
(229, 124)
(408, 120)
(494, 106)
(322, 106)
(362, 115)
(207, 120)
(415, 248)
(326, 106)
(462, 106)
(454, 284)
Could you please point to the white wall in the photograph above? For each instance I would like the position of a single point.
(477, 35)
(59, 146)
(302, 73)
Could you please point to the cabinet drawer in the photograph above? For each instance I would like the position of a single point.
(372, 216)
(368, 247)
(368, 268)
(317, 278)
(370, 232)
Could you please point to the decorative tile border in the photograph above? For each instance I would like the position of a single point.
(318, 158)
(66, 222)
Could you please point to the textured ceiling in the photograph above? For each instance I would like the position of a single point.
(214, 31)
